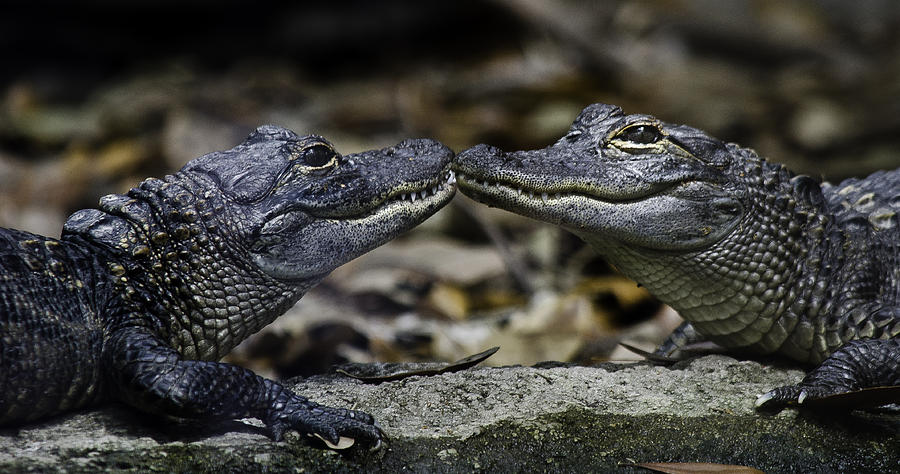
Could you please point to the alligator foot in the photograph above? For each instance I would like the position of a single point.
(338, 427)
(855, 367)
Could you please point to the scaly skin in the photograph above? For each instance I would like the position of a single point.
(140, 298)
(756, 259)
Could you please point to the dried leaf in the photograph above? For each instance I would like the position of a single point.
(695, 467)
(687, 352)
(390, 372)
(649, 355)
(866, 398)
(343, 442)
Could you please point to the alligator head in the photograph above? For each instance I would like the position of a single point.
(627, 178)
(290, 206)
(303, 209)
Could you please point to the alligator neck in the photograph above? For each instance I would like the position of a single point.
(756, 287)
(175, 260)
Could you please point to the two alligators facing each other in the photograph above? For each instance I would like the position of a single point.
(755, 258)
(140, 298)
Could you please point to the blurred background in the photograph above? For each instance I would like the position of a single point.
(95, 96)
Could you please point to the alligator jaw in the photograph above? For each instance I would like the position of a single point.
(503, 190)
(421, 196)
(331, 240)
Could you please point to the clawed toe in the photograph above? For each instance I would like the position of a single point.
(796, 395)
(351, 431)
(338, 428)
(778, 399)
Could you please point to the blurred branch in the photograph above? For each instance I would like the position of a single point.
(574, 25)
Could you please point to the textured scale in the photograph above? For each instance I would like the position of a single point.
(140, 297)
(49, 314)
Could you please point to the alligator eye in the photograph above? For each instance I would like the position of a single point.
(643, 134)
(318, 156)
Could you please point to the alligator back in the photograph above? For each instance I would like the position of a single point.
(875, 197)
(50, 336)
(867, 211)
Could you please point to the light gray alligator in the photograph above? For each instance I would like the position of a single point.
(755, 258)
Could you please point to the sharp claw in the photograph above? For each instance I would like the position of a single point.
(377, 446)
(342, 443)
(762, 399)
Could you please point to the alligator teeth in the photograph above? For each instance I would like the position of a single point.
(519, 190)
(544, 197)
(423, 194)
(452, 178)
(412, 196)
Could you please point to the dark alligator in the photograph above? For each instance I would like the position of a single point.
(139, 298)
(755, 258)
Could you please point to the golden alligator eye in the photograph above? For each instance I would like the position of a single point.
(317, 156)
(643, 134)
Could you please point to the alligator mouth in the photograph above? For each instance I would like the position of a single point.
(524, 193)
(413, 197)
(422, 192)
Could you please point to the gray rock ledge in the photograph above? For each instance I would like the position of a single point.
(547, 418)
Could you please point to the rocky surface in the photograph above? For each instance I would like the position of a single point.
(550, 417)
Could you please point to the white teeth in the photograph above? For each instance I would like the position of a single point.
(544, 197)
(412, 196)
(423, 194)
(519, 190)
(531, 194)
(452, 178)
(403, 197)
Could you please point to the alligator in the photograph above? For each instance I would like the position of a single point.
(755, 258)
(139, 299)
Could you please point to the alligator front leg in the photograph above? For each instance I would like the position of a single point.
(153, 377)
(857, 365)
